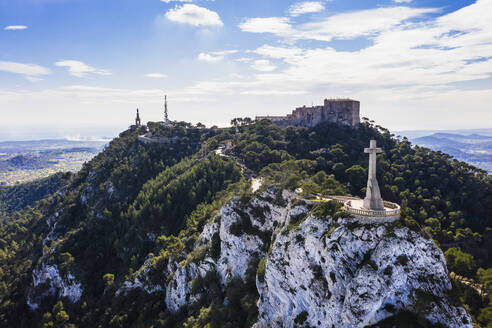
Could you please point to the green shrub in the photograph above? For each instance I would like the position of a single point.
(301, 317)
(460, 262)
(260, 271)
(402, 260)
(108, 279)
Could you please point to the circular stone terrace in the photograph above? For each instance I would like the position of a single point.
(355, 206)
(390, 212)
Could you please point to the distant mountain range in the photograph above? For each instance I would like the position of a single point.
(471, 146)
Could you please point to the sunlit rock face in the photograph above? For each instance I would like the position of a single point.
(48, 281)
(350, 275)
(319, 271)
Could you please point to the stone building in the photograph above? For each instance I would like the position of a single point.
(343, 111)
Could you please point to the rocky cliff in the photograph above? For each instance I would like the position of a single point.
(315, 266)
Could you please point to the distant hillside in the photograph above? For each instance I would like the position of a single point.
(413, 134)
(17, 197)
(474, 148)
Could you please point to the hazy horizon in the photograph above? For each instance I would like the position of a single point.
(100, 133)
(70, 68)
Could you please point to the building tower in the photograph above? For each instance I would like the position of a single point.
(138, 122)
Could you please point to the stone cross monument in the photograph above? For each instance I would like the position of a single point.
(373, 200)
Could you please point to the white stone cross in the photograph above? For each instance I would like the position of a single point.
(373, 200)
(373, 151)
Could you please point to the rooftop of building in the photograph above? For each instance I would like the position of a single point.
(340, 99)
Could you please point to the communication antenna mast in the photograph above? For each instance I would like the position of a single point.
(166, 118)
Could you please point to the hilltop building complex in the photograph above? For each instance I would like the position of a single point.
(343, 111)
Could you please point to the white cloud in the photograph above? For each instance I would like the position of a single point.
(263, 65)
(277, 52)
(341, 26)
(80, 69)
(194, 15)
(276, 25)
(33, 79)
(15, 27)
(24, 69)
(209, 57)
(414, 67)
(156, 75)
(215, 56)
(362, 23)
(168, 1)
(424, 55)
(409, 60)
(244, 60)
(402, 1)
(305, 8)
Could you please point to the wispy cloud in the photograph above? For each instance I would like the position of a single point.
(80, 69)
(169, 1)
(194, 15)
(34, 79)
(341, 26)
(215, 56)
(408, 58)
(306, 7)
(263, 65)
(275, 25)
(23, 69)
(156, 75)
(427, 54)
(402, 1)
(15, 27)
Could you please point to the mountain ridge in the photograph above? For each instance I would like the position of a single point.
(104, 225)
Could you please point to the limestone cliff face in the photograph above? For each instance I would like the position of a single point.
(354, 277)
(319, 271)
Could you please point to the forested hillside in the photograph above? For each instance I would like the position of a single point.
(17, 197)
(136, 206)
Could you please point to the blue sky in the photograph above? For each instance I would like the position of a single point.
(81, 67)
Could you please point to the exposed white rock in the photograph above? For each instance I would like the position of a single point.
(50, 282)
(208, 231)
(330, 274)
(236, 251)
(110, 189)
(179, 290)
(141, 281)
(354, 276)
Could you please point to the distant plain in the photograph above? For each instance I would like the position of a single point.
(24, 161)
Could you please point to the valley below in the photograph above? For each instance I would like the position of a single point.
(25, 161)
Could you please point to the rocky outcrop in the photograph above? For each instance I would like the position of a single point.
(319, 271)
(47, 280)
(349, 275)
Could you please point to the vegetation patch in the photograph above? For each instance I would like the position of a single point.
(402, 260)
(260, 272)
(301, 318)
